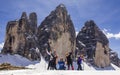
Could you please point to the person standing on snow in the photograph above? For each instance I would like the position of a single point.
(52, 61)
(61, 64)
(69, 60)
(79, 62)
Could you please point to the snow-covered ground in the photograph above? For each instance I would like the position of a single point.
(40, 69)
(30, 72)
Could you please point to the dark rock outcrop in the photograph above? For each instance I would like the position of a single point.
(114, 58)
(21, 37)
(57, 33)
(92, 42)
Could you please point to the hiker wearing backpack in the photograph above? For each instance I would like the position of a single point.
(61, 64)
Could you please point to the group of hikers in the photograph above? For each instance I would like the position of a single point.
(63, 63)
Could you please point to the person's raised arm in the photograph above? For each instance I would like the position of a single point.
(49, 53)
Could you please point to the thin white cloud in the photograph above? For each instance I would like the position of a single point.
(111, 35)
(1, 45)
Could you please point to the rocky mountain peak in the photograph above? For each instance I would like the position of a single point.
(90, 23)
(21, 37)
(60, 12)
(24, 15)
(90, 28)
(61, 7)
(57, 32)
(92, 42)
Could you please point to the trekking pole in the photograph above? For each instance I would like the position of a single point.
(83, 64)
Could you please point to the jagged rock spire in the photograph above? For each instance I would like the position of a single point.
(33, 18)
(61, 7)
(57, 32)
(90, 22)
(21, 37)
(96, 44)
(61, 10)
(33, 22)
(24, 15)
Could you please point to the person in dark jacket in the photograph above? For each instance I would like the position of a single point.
(61, 64)
(52, 61)
(69, 60)
(79, 62)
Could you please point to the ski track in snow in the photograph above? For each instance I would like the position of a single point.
(40, 68)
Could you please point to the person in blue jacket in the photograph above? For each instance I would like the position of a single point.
(61, 64)
(79, 62)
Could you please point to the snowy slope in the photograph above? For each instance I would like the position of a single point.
(16, 60)
(115, 67)
(42, 66)
(40, 69)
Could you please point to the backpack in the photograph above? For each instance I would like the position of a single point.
(61, 65)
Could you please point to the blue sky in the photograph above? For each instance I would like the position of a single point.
(105, 13)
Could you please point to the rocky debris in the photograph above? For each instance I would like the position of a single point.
(21, 37)
(92, 42)
(57, 33)
(7, 66)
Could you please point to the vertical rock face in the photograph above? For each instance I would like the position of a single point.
(101, 55)
(10, 38)
(21, 37)
(57, 33)
(94, 44)
(33, 22)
